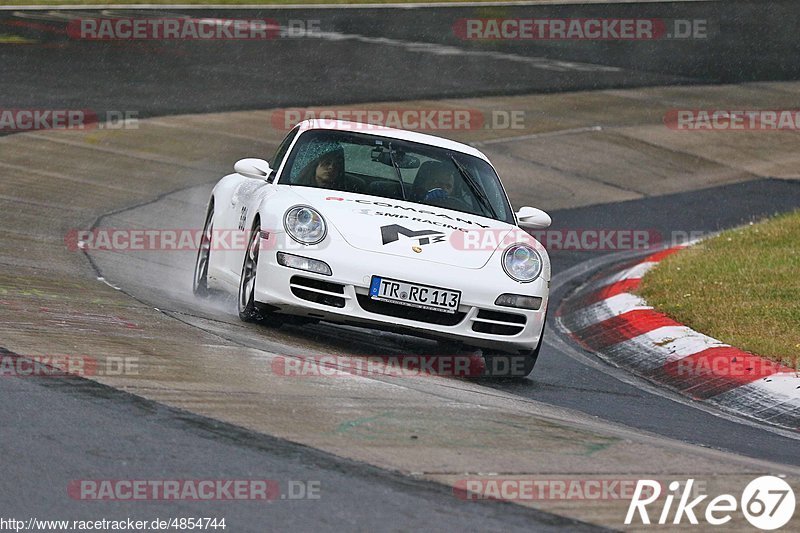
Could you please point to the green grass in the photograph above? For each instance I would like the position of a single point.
(14, 39)
(741, 287)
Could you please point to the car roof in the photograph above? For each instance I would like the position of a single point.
(405, 135)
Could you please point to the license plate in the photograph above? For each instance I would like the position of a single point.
(414, 295)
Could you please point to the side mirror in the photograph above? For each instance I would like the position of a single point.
(532, 218)
(253, 168)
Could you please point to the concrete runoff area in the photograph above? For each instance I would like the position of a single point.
(574, 150)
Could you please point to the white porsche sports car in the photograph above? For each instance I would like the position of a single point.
(384, 228)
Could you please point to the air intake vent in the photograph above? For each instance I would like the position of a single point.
(498, 322)
(318, 291)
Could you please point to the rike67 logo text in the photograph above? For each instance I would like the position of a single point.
(767, 503)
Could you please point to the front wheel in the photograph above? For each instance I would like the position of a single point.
(502, 365)
(247, 282)
(200, 280)
(510, 365)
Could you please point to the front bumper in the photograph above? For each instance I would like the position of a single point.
(344, 296)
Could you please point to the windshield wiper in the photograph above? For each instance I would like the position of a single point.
(476, 188)
(397, 171)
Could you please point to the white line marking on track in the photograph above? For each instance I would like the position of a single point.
(135, 154)
(62, 176)
(193, 127)
(542, 63)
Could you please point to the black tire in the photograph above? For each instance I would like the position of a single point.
(248, 311)
(200, 279)
(510, 365)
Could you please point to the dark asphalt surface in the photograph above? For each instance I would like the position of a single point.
(745, 41)
(65, 430)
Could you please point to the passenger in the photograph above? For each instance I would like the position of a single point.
(442, 185)
(437, 182)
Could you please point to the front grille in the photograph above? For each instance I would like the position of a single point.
(498, 322)
(409, 313)
(317, 291)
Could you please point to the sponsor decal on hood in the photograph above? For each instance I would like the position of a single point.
(400, 228)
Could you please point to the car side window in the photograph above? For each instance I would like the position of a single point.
(280, 153)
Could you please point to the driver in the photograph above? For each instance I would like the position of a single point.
(327, 171)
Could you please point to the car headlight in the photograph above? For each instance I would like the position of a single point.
(522, 263)
(305, 225)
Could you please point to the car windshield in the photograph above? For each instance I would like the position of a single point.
(391, 168)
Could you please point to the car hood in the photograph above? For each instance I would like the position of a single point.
(407, 229)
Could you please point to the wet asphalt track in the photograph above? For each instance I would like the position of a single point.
(558, 378)
(385, 54)
(63, 432)
(71, 429)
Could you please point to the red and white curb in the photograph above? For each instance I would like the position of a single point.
(606, 318)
